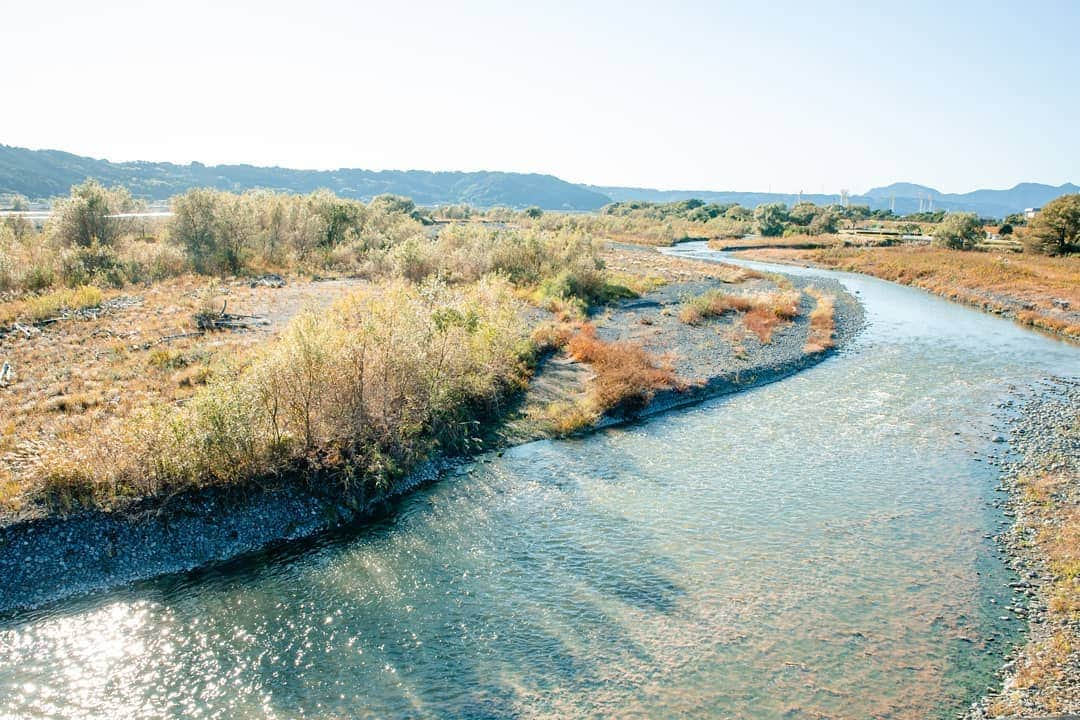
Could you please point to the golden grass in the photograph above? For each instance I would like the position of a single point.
(627, 376)
(80, 381)
(822, 322)
(659, 267)
(46, 306)
(564, 417)
(761, 314)
(710, 304)
(789, 241)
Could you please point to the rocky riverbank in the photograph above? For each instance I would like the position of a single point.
(1041, 476)
(46, 559)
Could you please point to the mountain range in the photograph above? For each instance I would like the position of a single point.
(41, 174)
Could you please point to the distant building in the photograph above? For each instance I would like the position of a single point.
(1031, 212)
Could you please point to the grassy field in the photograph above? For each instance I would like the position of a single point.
(1037, 290)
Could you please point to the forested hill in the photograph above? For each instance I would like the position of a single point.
(40, 174)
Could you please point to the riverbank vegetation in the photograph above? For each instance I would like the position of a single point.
(1038, 290)
(215, 374)
(261, 338)
(353, 396)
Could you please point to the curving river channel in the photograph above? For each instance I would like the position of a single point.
(815, 547)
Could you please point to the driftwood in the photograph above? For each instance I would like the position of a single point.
(223, 320)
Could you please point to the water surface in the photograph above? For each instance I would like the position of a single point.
(815, 547)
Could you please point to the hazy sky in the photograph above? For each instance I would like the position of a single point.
(696, 95)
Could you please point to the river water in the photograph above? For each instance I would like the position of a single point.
(817, 547)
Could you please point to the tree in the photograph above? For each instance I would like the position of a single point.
(533, 212)
(207, 224)
(337, 215)
(394, 204)
(825, 222)
(89, 214)
(804, 213)
(1005, 229)
(770, 219)
(1056, 229)
(738, 212)
(958, 231)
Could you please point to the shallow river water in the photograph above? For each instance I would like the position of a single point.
(815, 547)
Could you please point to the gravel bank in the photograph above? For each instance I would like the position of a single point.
(716, 365)
(1041, 426)
(44, 560)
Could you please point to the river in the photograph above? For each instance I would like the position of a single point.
(815, 547)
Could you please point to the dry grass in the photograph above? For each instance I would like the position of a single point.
(713, 303)
(822, 322)
(1026, 286)
(802, 242)
(627, 376)
(760, 314)
(46, 306)
(564, 418)
(81, 380)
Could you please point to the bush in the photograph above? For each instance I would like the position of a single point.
(88, 215)
(96, 263)
(1056, 229)
(627, 377)
(770, 219)
(958, 231)
(362, 391)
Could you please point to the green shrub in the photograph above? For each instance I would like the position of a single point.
(958, 231)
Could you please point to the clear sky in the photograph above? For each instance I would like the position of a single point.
(693, 95)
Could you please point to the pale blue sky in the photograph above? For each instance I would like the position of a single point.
(698, 95)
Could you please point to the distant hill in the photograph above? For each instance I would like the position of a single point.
(746, 199)
(40, 174)
(988, 203)
(48, 173)
(904, 197)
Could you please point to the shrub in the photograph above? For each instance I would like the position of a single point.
(958, 231)
(627, 376)
(362, 391)
(88, 215)
(94, 263)
(770, 219)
